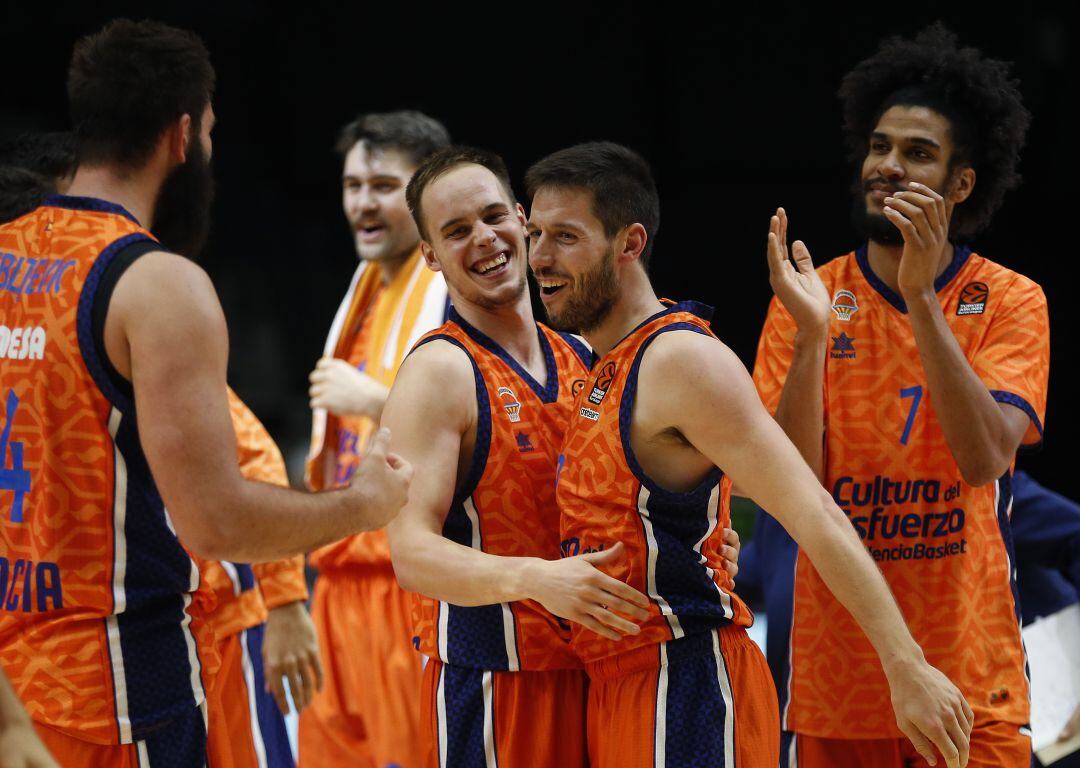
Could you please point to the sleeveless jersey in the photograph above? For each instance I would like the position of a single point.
(244, 592)
(506, 505)
(944, 546)
(673, 540)
(96, 628)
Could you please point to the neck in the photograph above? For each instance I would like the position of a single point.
(391, 268)
(885, 262)
(512, 327)
(636, 303)
(136, 192)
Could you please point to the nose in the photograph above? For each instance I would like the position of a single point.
(891, 165)
(484, 235)
(366, 202)
(539, 252)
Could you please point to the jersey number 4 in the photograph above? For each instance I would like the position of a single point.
(14, 478)
(915, 393)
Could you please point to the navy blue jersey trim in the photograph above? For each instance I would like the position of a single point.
(586, 355)
(548, 393)
(87, 204)
(862, 258)
(696, 308)
(1012, 399)
(92, 356)
(626, 407)
(483, 421)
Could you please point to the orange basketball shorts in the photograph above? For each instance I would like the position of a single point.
(706, 699)
(474, 718)
(993, 745)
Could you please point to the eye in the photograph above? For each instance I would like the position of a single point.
(534, 235)
(568, 237)
(879, 146)
(457, 232)
(495, 218)
(385, 187)
(920, 154)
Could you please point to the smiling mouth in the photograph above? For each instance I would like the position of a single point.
(549, 286)
(492, 265)
(370, 230)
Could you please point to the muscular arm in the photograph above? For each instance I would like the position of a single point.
(432, 413)
(165, 332)
(750, 446)
(981, 433)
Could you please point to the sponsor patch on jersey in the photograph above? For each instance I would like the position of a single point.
(590, 414)
(973, 299)
(603, 381)
(524, 444)
(843, 347)
(510, 403)
(577, 386)
(844, 305)
(22, 343)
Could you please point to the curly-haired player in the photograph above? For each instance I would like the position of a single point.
(924, 367)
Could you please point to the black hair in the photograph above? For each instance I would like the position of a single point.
(21, 191)
(128, 82)
(408, 131)
(619, 179)
(51, 155)
(977, 95)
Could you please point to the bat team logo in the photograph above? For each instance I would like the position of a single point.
(844, 305)
(510, 403)
(973, 299)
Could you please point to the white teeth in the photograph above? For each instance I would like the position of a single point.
(487, 266)
(546, 283)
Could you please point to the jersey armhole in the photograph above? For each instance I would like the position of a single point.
(114, 270)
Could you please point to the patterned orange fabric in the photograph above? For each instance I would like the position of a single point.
(507, 504)
(673, 540)
(97, 632)
(239, 604)
(381, 325)
(943, 545)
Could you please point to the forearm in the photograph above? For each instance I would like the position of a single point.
(975, 428)
(255, 522)
(430, 564)
(800, 412)
(834, 548)
(11, 709)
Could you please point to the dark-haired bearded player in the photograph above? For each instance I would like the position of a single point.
(665, 407)
(925, 365)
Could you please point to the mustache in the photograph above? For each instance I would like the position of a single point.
(548, 275)
(880, 182)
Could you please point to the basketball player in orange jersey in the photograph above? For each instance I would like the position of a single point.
(97, 634)
(667, 418)
(481, 404)
(369, 712)
(925, 366)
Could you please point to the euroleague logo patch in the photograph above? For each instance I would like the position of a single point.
(603, 381)
(844, 305)
(973, 299)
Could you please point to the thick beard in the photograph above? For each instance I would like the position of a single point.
(592, 301)
(182, 212)
(874, 226)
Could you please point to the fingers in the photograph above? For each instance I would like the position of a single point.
(588, 621)
(277, 688)
(296, 683)
(960, 739)
(604, 556)
(907, 229)
(922, 745)
(732, 539)
(941, 738)
(969, 715)
(316, 666)
(305, 684)
(379, 445)
(803, 262)
(731, 560)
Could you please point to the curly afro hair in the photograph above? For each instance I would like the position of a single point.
(977, 95)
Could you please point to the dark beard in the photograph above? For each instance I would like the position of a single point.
(871, 226)
(182, 212)
(592, 301)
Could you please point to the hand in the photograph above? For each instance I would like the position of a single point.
(800, 290)
(381, 481)
(20, 747)
(730, 551)
(291, 651)
(932, 712)
(1072, 727)
(575, 588)
(344, 391)
(919, 213)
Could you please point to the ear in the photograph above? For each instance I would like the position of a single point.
(962, 184)
(630, 243)
(177, 136)
(429, 257)
(523, 219)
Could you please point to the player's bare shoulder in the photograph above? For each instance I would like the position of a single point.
(436, 379)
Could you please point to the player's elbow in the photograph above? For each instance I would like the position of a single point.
(982, 467)
(405, 567)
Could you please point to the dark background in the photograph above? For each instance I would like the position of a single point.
(736, 111)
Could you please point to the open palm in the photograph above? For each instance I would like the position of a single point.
(797, 285)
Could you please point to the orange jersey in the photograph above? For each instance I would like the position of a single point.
(944, 546)
(380, 323)
(96, 631)
(239, 604)
(673, 540)
(507, 503)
